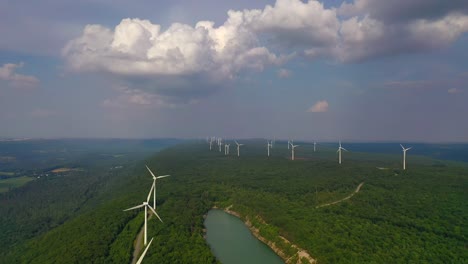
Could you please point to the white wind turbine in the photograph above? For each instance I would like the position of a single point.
(292, 150)
(211, 142)
(269, 145)
(315, 143)
(220, 144)
(146, 205)
(154, 184)
(339, 152)
(238, 147)
(226, 149)
(404, 156)
(144, 252)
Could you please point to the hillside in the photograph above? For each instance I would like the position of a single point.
(418, 215)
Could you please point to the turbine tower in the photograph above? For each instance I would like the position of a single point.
(154, 184)
(339, 152)
(315, 143)
(404, 156)
(144, 252)
(211, 142)
(238, 147)
(269, 145)
(146, 205)
(226, 149)
(292, 150)
(220, 143)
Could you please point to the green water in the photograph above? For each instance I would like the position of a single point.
(232, 243)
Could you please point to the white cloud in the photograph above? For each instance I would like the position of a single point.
(138, 47)
(284, 73)
(183, 60)
(296, 23)
(403, 10)
(319, 107)
(375, 29)
(8, 73)
(364, 38)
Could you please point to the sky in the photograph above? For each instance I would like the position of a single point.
(356, 70)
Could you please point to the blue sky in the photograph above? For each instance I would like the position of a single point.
(362, 70)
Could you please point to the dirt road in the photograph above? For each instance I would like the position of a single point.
(344, 199)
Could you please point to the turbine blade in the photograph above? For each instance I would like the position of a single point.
(151, 191)
(402, 146)
(154, 212)
(135, 207)
(344, 149)
(163, 176)
(409, 148)
(144, 252)
(152, 174)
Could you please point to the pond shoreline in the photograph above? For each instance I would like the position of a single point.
(288, 259)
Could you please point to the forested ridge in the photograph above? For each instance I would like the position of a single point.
(413, 216)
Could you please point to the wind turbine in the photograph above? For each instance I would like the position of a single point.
(154, 184)
(144, 252)
(269, 145)
(292, 150)
(226, 149)
(146, 205)
(404, 156)
(339, 152)
(238, 147)
(220, 143)
(211, 142)
(315, 143)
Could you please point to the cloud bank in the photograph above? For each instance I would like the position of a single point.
(185, 61)
(8, 74)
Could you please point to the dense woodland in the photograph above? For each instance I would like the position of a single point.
(414, 216)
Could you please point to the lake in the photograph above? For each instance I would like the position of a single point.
(232, 242)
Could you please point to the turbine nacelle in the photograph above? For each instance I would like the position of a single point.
(405, 149)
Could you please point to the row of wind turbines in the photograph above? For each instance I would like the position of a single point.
(291, 146)
(152, 209)
(219, 141)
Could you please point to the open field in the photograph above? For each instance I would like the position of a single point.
(11, 183)
(64, 169)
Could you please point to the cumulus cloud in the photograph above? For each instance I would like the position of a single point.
(319, 107)
(139, 48)
(183, 60)
(8, 74)
(375, 29)
(403, 10)
(284, 73)
(296, 23)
